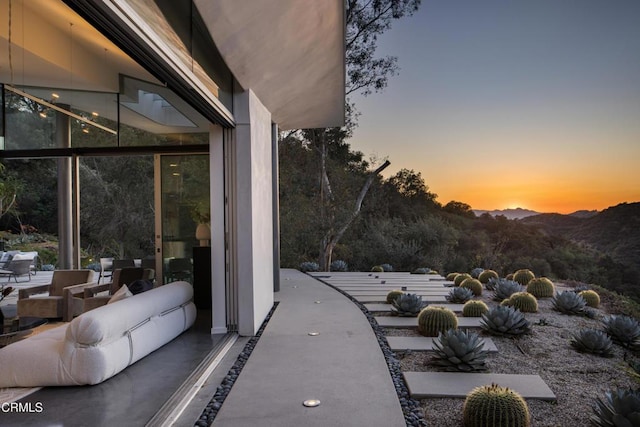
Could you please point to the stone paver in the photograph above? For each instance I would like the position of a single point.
(427, 299)
(384, 293)
(426, 344)
(387, 307)
(412, 322)
(453, 384)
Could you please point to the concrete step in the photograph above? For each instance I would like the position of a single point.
(412, 322)
(427, 299)
(387, 307)
(424, 385)
(426, 344)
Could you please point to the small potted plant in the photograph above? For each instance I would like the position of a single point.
(201, 214)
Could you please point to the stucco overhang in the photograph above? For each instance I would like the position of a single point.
(289, 52)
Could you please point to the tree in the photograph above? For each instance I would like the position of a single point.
(7, 194)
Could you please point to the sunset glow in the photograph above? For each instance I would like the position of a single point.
(503, 105)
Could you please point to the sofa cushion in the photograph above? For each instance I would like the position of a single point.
(121, 294)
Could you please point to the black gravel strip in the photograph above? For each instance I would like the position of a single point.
(413, 414)
(210, 412)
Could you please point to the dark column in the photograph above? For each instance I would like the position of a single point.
(276, 207)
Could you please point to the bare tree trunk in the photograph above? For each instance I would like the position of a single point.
(331, 239)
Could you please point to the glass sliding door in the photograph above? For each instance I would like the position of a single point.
(183, 204)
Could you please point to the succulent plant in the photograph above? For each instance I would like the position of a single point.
(568, 302)
(393, 295)
(619, 407)
(451, 276)
(387, 267)
(593, 341)
(474, 308)
(339, 265)
(492, 283)
(460, 278)
(309, 266)
(459, 351)
(505, 321)
(407, 305)
(459, 295)
(494, 406)
(541, 287)
(377, 269)
(506, 288)
(421, 270)
(523, 301)
(472, 284)
(591, 297)
(476, 272)
(523, 276)
(623, 330)
(435, 319)
(487, 275)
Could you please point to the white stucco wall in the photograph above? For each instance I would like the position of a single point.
(254, 210)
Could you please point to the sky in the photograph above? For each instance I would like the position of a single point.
(502, 104)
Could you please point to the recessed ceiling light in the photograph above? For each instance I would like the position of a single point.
(311, 403)
(314, 334)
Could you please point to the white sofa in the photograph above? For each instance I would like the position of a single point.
(100, 343)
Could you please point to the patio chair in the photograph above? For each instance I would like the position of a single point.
(17, 267)
(99, 295)
(106, 268)
(179, 269)
(56, 303)
(32, 256)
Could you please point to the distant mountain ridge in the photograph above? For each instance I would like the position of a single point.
(520, 213)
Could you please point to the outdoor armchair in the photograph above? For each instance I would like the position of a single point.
(98, 295)
(53, 305)
(17, 267)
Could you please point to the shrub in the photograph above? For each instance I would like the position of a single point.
(459, 351)
(523, 276)
(309, 266)
(459, 295)
(407, 305)
(392, 295)
(387, 267)
(493, 406)
(619, 408)
(541, 287)
(568, 302)
(523, 301)
(505, 321)
(377, 269)
(487, 275)
(338, 265)
(461, 278)
(434, 319)
(591, 297)
(474, 308)
(624, 330)
(594, 342)
(474, 285)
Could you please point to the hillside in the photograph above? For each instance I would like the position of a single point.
(517, 213)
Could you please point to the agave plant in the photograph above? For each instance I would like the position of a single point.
(505, 321)
(309, 266)
(407, 305)
(339, 265)
(624, 330)
(505, 288)
(568, 302)
(492, 283)
(459, 295)
(456, 350)
(619, 407)
(594, 342)
(386, 267)
(476, 272)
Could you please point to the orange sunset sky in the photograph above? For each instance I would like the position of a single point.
(499, 104)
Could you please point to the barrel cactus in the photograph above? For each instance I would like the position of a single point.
(459, 295)
(434, 319)
(591, 297)
(474, 285)
(377, 269)
(568, 302)
(460, 278)
(619, 407)
(474, 308)
(624, 330)
(505, 321)
(459, 351)
(451, 276)
(493, 405)
(541, 287)
(407, 305)
(523, 301)
(506, 288)
(593, 341)
(476, 272)
(487, 275)
(393, 295)
(523, 276)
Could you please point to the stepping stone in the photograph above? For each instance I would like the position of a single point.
(385, 292)
(424, 385)
(427, 299)
(387, 307)
(412, 322)
(426, 344)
